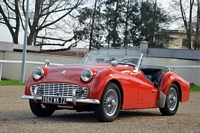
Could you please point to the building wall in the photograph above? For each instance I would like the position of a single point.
(1, 55)
(174, 39)
(174, 53)
(175, 43)
(191, 75)
(13, 70)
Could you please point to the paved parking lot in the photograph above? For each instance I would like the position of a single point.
(16, 117)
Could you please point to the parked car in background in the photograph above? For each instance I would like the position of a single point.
(106, 81)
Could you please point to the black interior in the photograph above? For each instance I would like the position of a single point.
(153, 73)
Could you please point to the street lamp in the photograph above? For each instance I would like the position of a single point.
(24, 47)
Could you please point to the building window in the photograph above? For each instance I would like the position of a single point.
(184, 43)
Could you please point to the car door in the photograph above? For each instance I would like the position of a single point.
(147, 93)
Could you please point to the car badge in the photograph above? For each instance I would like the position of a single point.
(63, 72)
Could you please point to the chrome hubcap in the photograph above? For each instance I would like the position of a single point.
(110, 102)
(172, 99)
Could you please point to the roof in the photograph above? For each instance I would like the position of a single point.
(8, 46)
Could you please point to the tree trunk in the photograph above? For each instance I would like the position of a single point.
(14, 30)
(188, 26)
(126, 25)
(196, 44)
(115, 25)
(92, 26)
(189, 39)
(31, 38)
(154, 21)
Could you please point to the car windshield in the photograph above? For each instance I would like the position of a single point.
(125, 56)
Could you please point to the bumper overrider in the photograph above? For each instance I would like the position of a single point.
(72, 99)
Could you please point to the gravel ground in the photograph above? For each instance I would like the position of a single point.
(16, 117)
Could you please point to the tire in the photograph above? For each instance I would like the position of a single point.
(110, 104)
(41, 110)
(172, 101)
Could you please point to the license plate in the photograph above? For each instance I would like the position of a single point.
(54, 100)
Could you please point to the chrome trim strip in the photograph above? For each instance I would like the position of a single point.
(162, 99)
(74, 96)
(34, 94)
(30, 97)
(91, 101)
(65, 107)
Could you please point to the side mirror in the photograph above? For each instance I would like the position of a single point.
(114, 63)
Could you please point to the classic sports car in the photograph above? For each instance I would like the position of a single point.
(106, 81)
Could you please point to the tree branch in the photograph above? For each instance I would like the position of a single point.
(51, 23)
(7, 5)
(6, 21)
(56, 39)
(183, 15)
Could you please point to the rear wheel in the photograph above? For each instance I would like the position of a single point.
(41, 110)
(172, 101)
(110, 103)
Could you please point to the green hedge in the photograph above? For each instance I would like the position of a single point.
(194, 87)
(10, 82)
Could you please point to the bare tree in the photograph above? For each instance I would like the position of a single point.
(126, 24)
(185, 8)
(187, 22)
(46, 14)
(197, 36)
(10, 17)
(154, 20)
(43, 21)
(92, 25)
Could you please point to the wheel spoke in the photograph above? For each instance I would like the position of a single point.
(110, 102)
(172, 99)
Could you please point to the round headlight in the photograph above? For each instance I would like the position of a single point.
(86, 75)
(38, 73)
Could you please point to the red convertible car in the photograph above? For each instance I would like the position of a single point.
(106, 81)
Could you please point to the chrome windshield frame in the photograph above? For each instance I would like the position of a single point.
(108, 55)
(138, 65)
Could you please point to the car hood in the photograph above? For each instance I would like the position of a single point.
(74, 71)
(71, 73)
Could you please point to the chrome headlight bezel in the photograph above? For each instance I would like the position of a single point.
(38, 73)
(86, 75)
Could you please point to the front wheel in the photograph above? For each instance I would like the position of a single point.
(41, 110)
(172, 101)
(110, 103)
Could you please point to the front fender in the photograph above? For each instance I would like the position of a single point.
(28, 82)
(127, 83)
(99, 83)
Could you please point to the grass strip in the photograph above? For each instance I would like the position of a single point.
(193, 87)
(10, 82)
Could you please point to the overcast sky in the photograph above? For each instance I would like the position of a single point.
(5, 35)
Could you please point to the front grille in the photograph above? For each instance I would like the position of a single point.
(58, 89)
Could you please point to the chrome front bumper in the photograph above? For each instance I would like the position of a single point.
(73, 99)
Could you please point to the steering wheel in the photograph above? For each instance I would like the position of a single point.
(111, 59)
(125, 60)
(128, 62)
